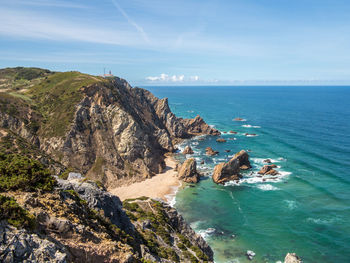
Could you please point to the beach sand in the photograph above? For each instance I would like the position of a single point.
(162, 185)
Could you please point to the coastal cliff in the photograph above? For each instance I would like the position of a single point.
(54, 123)
(102, 128)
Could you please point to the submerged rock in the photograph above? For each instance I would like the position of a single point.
(268, 170)
(250, 254)
(267, 161)
(187, 150)
(233, 132)
(292, 258)
(221, 140)
(209, 151)
(239, 119)
(188, 171)
(229, 171)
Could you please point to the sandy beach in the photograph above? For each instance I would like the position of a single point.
(161, 185)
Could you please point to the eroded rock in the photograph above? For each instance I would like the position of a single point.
(188, 171)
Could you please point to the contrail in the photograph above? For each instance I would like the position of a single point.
(132, 22)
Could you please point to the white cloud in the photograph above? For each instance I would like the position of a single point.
(172, 78)
(194, 78)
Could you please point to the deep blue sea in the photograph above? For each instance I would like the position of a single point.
(303, 130)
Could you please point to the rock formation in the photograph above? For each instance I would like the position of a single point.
(268, 170)
(188, 171)
(187, 150)
(101, 128)
(229, 171)
(292, 258)
(220, 140)
(209, 151)
(79, 222)
(233, 132)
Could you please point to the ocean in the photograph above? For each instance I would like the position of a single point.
(305, 131)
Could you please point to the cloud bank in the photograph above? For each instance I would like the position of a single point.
(172, 78)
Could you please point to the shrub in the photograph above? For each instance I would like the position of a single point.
(22, 173)
(14, 214)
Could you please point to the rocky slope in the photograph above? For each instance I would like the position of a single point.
(80, 222)
(100, 127)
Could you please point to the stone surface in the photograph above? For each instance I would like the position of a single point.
(187, 150)
(209, 151)
(221, 140)
(292, 258)
(268, 170)
(19, 245)
(229, 171)
(99, 199)
(188, 171)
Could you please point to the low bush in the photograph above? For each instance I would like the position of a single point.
(19, 172)
(14, 214)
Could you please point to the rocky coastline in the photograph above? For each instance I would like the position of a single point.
(66, 138)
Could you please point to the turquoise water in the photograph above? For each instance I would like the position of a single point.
(306, 132)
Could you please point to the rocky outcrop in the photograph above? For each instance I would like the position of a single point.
(268, 170)
(187, 150)
(292, 258)
(220, 140)
(243, 159)
(188, 171)
(99, 199)
(198, 126)
(19, 245)
(81, 222)
(118, 134)
(230, 171)
(209, 151)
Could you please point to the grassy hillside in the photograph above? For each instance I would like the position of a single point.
(49, 97)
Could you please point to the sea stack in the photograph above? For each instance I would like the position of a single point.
(229, 171)
(188, 171)
(209, 151)
(187, 150)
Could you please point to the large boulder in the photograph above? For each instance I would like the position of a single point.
(187, 150)
(268, 170)
(292, 258)
(20, 245)
(243, 159)
(229, 171)
(188, 171)
(209, 151)
(198, 126)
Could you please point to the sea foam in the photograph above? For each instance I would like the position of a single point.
(267, 187)
(251, 126)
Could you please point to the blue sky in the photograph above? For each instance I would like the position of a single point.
(182, 42)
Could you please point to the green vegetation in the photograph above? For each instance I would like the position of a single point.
(191, 257)
(56, 98)
(22, 173)
(14, 214)
(199, 253)
(93, 215)
(18, 78)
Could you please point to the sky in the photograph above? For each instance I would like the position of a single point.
(182, 42)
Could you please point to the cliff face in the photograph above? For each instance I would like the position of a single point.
(102, 128)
